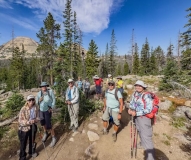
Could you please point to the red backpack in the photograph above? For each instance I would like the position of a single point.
(155, 108)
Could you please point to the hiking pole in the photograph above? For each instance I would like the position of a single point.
(131, 136)
(43, 143)
(136, 135)
(32, 139)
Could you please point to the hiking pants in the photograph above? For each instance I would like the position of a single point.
(87, 92)
(144, 127)
(73, 110)
(23, 138)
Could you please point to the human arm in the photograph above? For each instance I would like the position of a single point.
(23, 121)
(53, 99)
(76, 99)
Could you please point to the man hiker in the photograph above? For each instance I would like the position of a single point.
(46, 101)
(72, 99)
(98, 84)
(79, 84)
(86, 87)
(113, 106)
(119, 84)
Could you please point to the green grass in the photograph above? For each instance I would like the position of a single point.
(168, 137)
(166, 142)
(178, 122)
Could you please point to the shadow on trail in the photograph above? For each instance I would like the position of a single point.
(187, 147)
(159, 155)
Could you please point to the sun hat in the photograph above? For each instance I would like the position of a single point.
(140, 83)
(111, 81)
(70, 80)
(30, 97)
(96, 77)
(43, 84)
(119, 77)
(109, 75)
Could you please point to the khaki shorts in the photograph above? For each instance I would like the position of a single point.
(109, 112)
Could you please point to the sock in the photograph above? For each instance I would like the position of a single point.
(114, 132)
(105, 129)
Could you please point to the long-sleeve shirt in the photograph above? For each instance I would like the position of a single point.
(48, 100)
(72, 94)
(25, 117)
(138, 105)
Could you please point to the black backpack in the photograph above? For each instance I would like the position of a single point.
(115, 94)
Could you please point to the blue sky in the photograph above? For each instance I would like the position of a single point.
(158, 20)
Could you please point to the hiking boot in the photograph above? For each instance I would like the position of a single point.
(53, 142)
(34, 155)
(44, 136)
(104, 132)
(114, 135)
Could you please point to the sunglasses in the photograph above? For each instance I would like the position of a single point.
(110, 84)
(31, 100)
(69, 82)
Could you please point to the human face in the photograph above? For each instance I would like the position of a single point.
(139, 88)
(70, 84)
(111, 86)
(31, 102)
(44, 88)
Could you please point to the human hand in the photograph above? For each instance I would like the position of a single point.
(69, 102)
(119, 116)
(41, 99)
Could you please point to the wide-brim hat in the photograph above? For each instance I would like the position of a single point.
(109, 75)
(111, 81)
(96, 77)
(119, 77)
(43, 84)
(70, 80)
(30, 97)
(140, 83)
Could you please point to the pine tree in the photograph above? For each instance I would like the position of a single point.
(126, 68)
(91, 60)
(186, 60)
(160, 58)
(119, 69)
(112, 54)
(47, 46)
(136, 65)
(153, 63)
(145, 58)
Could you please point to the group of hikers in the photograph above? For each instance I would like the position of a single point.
(40, 108)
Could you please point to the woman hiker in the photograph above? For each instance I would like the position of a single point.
(138, 109)
(27, 127)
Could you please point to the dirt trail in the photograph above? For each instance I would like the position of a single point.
(106, 149)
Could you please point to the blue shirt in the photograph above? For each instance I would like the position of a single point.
(138, 105)
(74, 94)
(79, 83)
(48, 100)
(111, 101)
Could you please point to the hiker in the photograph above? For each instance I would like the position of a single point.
(86, 87)
(79, 84)
(119, 84)
(46, 101)
(143, 124)
(98, 84)
(113, 106)
(72, 99)
(27, 127)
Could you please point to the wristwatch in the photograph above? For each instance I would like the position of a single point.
(119, 113)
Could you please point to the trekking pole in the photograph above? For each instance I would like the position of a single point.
(43, 143)
(136, 134)
(32, 139)
(131, 136)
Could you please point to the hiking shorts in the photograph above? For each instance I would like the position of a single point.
(45, 119)
(98, 89)
(109, 112)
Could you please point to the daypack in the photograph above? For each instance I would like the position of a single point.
(115, 94)
(41, 94)
(155, 108)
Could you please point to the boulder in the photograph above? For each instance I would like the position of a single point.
(181, 111)
(129, 86)
(2, 91)
(165, 105)
(92, 136)
(187, 103)
(93, 126)
(35, 89)
(165, 117)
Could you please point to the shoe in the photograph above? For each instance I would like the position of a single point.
(53, 142)
(33, 155)
(114, 135)
(71, 127)
(44, 136)
(34, 147)
(104, 132)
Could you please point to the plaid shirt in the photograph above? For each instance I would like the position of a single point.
(24, 118)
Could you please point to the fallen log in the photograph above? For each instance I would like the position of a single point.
(8, 121)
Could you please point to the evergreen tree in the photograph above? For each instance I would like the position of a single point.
(145, 58)
(126, 68)
(186, 59)
(153, 64)
(91, 60)
(160, 58)
(119, 69)
(136, 66)
(112, 54)
(106, 61)
(47, 46)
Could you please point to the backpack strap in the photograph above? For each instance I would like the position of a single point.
(115, 94)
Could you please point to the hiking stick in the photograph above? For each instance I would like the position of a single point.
(32, 139)
(43, 142)
(131, 136)
(136, 142)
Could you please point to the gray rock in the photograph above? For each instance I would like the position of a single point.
(92, 136)
(188, 114)
(187, 103)
(129, 86)
(181, 111)
(2, 91)
(165, 105)
(35, 89)
(71, 139)
(93, 126)
(165, 117)
(89, 150)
